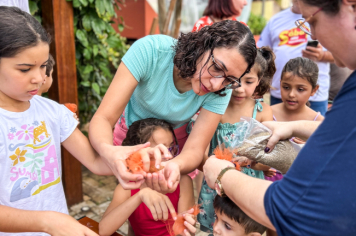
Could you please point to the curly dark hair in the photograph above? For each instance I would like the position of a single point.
(140, 131)
(190, 47)
(265, 67)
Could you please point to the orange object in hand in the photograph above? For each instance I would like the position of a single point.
(71, 106)
(227, 155)
(178, 226)
(134, 164)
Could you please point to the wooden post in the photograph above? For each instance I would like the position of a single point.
(161, 14)
(58, 21)
(168, 17)
(177, 19)
(154, 25)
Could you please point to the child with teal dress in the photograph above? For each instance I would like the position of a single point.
(242, 103)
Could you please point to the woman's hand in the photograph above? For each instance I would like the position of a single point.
(59, 224)
(280, 131)
(159, 204)
(118, 154)
(189, 223)
(212, 169)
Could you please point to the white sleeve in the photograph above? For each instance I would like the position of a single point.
(265, 38)
(67, 122)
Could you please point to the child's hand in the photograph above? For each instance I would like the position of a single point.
(243, 161)
(159, 204)
(189, 223)
(298, 140)
(59, 224)
(270, 173)
(76, 117)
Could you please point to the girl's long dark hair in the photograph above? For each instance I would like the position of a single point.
(19, 31)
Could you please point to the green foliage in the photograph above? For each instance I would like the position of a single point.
(99, 49)
(256, 24)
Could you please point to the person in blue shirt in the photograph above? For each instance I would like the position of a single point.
(317, 195)
(161, 77)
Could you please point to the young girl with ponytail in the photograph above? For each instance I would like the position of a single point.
(242, 103)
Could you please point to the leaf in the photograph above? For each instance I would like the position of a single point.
(121, 27)
(76, 3)
(88, 69)
(39, 161)
(80, 34)
(113, 41)
(84, 2)
(97, 26)
(100, 7)
(109, 6)
(28, 164)
(39, 154)
(86, 21)
(95, 50)
(91, 1)
(96, 88)
(85, 83)
(30, 155)
(33, 7)
(87, 54)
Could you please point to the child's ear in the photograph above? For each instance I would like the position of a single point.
(314, 90)
(254, 234)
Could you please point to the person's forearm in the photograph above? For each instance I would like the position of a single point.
(188, 160)
(304, 129)
(248, 193)
(100, 134)
(116, 218)
(14, 220)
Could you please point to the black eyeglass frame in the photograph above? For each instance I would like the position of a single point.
(231, 79)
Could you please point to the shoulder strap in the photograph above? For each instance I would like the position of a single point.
(317, 115)
(258, 107)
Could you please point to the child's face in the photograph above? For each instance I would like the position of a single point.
(161, 136)
(295, 91)
(248, 85)
(21, 76)
(224, 226)
(46, 84)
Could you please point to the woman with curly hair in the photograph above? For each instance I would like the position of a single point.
(217, 11)
(161, 77)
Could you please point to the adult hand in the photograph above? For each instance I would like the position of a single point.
(280, 131)
(116, 156)
(212, 169)
(314, 53)
(159, 204)
(59, 224)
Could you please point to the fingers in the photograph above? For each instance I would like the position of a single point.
(164, 151)
(137, 147)
(273, 140)
(149, 182)
(145, 159)
(189, 223)
(155, 183)
(173, 178)
(157, 156)
(170, 208)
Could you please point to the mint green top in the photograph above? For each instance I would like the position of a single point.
(150, 60)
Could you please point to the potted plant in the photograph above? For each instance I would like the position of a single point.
(256, 24)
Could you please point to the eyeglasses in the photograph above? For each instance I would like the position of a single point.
(303, 23)
(230, 82)
(174, 150)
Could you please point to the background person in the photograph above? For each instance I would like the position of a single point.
(288, 42)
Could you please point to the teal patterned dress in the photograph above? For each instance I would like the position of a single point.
(224, 134)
